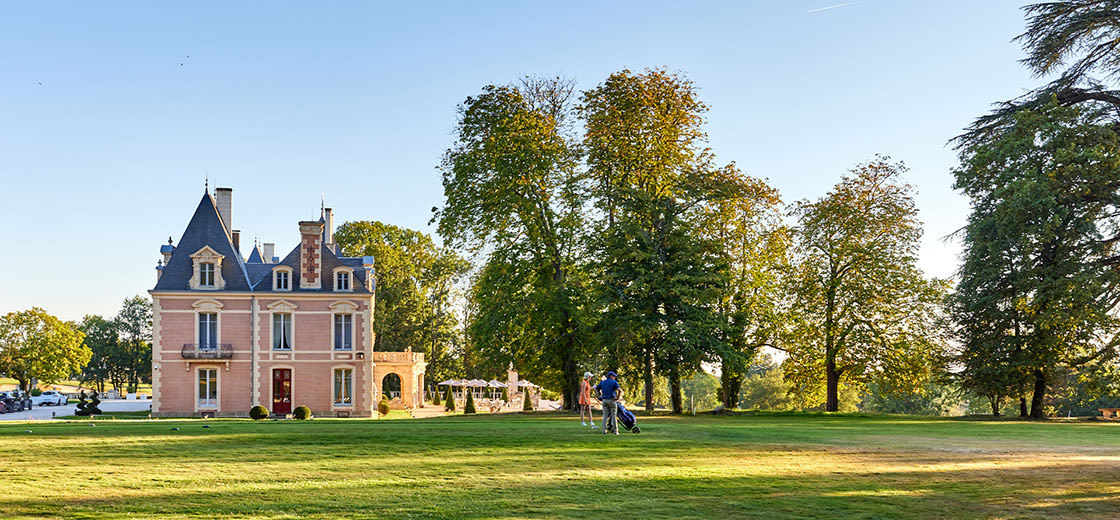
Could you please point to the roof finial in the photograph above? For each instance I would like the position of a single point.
(207, 170)
(322, 204)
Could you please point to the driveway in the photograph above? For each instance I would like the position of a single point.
(107, 406)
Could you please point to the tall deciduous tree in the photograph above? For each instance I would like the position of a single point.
(755, 246)
(512, 185)
(863, 309)
(102, 339)
(652, 177)
(134, 326)
(1039, 286)
(36, 345)
(415, 291)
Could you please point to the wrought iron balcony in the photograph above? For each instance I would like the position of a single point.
(207, 351)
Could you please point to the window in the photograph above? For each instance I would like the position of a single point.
(281, 331)
(342, 281)
(343, 331)
(207, 330)
(343, 386)
(283, 281)
(207, 387)
(206, 274)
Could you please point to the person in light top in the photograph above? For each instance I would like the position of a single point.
(585, 400)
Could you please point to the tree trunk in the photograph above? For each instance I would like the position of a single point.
(994, 400)
(832, 392)
(570, 375)
(1023, 407)
(730, 385)
(23, 385)
(1039, 394)
(675, 390)
(648, 380)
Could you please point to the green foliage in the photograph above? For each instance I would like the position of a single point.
(505, 395)
(134, 353)
(415, 291)
(864, 310)
(435, 397)
(1037, 290)
(932, 399)
(526, 401)
(512, 188)
(468, 407)
(36, 345)
(301, 413)
(258, 412)
(765, 388)
(449, 400)
(36, 392)
(652, 181)
(701, 391)
(383, 405)
(92, 407)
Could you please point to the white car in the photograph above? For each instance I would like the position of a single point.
(48, 398)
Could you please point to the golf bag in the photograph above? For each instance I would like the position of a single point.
(628, 420)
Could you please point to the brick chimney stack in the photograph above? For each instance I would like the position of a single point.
(310, 254)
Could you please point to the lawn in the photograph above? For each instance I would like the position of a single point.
(547, 466)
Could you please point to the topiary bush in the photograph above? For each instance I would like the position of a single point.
(258, 412)
(92, 408)
(302, 413)
(469, 406)
(449, 401)
(82, 404)
(527, 401)
(35, 392)
(435, 397)
(505, 395)
(383, 405)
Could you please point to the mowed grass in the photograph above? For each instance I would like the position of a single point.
(548, 466)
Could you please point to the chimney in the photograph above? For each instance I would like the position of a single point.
(224, 199)
(166, 250)
(310, 254)
(237, 241)
(328, 228)
(367, 265)
(269, 252)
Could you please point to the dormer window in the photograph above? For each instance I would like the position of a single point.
(342, 279)
(206, 274)
(282, 279)
(207, 270)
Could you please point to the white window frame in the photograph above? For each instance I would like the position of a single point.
(291, 332)
(344, 279)
(287, 271)
(334, 331)
(214, 402)
(206, 274)
(335, 371)
(202, 342)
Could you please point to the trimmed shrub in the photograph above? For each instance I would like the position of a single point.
(469, 406)
(92, 406)
(383, 405)
(302, 413)
(35, 392)
(449, 401)
(527, 401)
(435, 397)
(258, 412)
(505, 395)
(82, 403)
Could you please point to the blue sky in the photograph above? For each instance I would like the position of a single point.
(111, 116)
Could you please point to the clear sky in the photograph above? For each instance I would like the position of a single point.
(110, 116)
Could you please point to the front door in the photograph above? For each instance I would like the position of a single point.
(282, 390)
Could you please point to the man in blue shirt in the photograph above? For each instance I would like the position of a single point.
(609, 394)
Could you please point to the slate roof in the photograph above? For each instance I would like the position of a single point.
(207, 229)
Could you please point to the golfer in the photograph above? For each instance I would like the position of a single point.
(610, 393)
(585, 400)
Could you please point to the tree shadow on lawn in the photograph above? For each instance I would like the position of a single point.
(966, 493)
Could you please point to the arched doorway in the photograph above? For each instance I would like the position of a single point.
(391, 386)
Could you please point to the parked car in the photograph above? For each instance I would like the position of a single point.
(49, 398)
